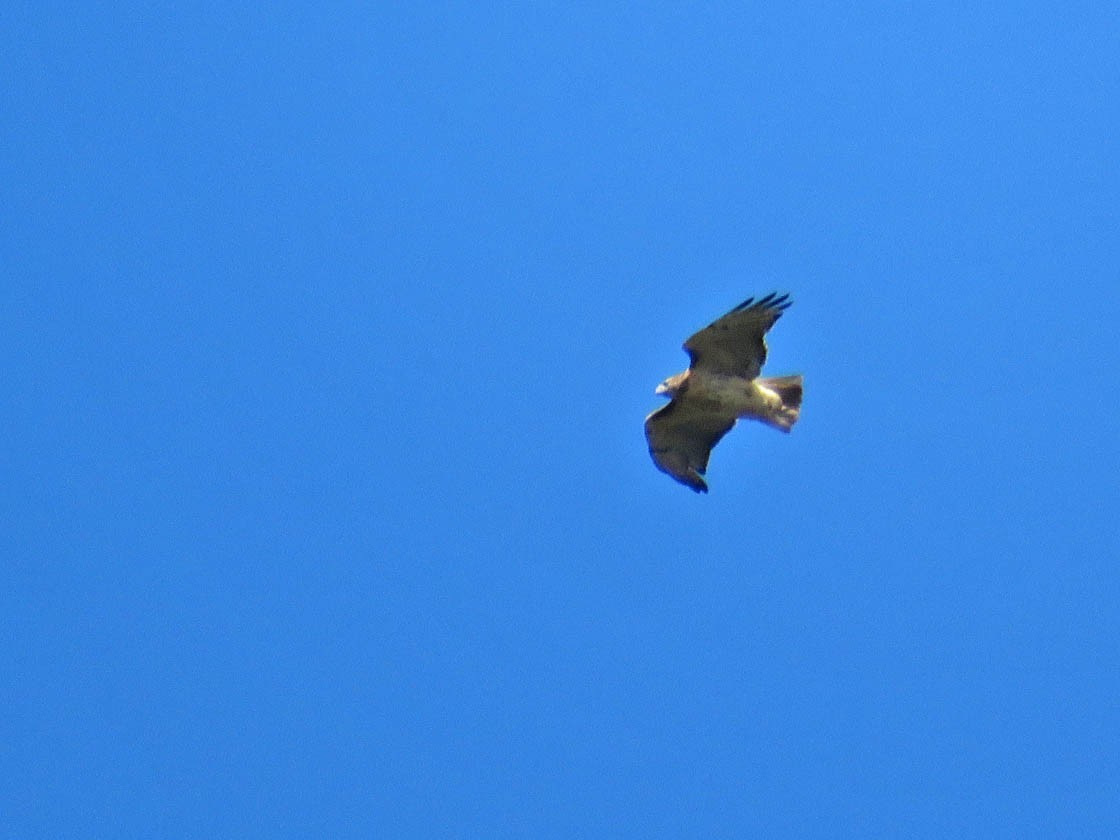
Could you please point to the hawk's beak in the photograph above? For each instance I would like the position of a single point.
(661, 389)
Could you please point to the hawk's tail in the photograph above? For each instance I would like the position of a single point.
(789, 388)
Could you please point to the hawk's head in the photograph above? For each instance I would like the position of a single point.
(671, 386)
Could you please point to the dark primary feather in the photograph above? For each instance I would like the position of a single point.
(771, 299)
(735, 344)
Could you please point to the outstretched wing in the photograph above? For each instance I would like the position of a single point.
(681, 435)
(734, 344)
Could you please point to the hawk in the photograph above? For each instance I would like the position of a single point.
(721, 386)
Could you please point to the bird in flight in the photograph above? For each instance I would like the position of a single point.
(721, 385)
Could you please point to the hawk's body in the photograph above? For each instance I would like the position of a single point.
(721, 386)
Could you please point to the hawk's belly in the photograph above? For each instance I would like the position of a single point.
(734, 394)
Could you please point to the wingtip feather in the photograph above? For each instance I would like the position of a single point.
(770, 301)
(745, 304)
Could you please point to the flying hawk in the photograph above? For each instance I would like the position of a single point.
(720, 386)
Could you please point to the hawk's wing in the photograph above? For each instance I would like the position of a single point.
(681, 435)
(734, 344)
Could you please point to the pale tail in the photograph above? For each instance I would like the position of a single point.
(789, 389)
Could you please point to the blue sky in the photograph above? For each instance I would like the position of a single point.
(328, 337)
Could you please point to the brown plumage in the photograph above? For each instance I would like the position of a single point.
(721, 386)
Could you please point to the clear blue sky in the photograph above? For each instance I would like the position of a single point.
(327, 338)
